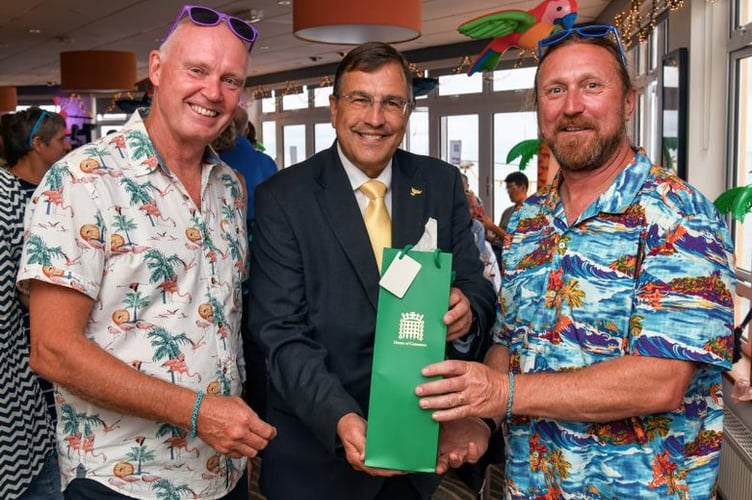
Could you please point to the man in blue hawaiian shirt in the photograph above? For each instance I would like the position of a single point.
(617, 307)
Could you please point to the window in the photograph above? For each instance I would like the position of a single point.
(510, 129)
(324, 135)
(269, 139)
(268, 104)
(744, 12)
(647, 123)
(741, 147)
(295, 144)
(460, 84)
(459, 146)
(321, 96)
(514, 79)
(416, 138)
(294, 98)
(739, 136)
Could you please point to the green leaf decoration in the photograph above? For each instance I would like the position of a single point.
(524, 150)
(736, 201)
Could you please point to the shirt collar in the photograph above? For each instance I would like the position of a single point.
(149, 165)
(357, 177)
(618, 197)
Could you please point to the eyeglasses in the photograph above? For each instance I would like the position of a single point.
(35, 129)
(394, 106)
(204, 16)
(591, 31)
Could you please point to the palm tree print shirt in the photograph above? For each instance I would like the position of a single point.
(647, 270)
(112, 222)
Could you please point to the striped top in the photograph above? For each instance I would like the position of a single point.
(26, 435)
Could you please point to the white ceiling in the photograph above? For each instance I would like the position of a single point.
(34, 32)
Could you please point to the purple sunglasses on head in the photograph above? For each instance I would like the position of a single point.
(204, 16)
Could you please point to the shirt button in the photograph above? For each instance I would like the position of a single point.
(214, 281)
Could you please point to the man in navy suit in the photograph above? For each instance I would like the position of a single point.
(314, 284)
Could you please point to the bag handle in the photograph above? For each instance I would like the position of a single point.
(436, 254)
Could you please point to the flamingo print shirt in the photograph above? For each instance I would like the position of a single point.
(112, 222)
(647, 270)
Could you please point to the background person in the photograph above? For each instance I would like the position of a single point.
(617, 302)
(517, 186)
(135, 253)
(34, 139)
(255, 167)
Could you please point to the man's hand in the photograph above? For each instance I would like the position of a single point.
(462, 441)
(468, 389)
(351, 430)
(232, 428)
(459, 318)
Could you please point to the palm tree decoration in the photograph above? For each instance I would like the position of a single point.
(524, 150)
(40, 253)
(165, 490)
(736, 201)
(166, 345)
(140, 454)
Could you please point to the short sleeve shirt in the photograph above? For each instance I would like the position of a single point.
(112, 222)
(647, 270)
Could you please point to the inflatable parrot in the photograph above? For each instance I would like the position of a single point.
(517, 28)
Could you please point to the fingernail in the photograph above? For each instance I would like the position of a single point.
(419, 391)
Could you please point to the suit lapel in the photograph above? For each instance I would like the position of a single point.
(338, 203)
(408, 202)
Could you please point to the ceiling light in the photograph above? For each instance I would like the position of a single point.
(97, 70)
(349, 22)
(8, 98)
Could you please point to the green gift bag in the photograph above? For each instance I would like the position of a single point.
(410, 334)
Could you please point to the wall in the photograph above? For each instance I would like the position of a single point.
(708, 89)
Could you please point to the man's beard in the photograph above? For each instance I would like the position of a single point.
(584, 154)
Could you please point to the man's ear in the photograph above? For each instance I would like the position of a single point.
(333, 109)
(630, 102)
(155, 67)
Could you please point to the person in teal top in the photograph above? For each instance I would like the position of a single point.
(617, 307)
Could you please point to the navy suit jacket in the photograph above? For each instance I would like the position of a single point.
(314, 289)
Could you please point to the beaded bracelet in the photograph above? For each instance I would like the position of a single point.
(194, 417)
(510, 401)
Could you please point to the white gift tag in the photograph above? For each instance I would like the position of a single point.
(400, 275)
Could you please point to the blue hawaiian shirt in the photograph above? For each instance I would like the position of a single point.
(647, 270)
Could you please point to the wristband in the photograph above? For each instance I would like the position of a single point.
(194, 417)
(491, 423)
(510, 401)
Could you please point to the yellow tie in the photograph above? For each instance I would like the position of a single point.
(378, 223)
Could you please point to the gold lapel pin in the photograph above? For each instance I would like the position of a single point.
(415, 191)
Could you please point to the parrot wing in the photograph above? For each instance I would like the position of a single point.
(498, 24)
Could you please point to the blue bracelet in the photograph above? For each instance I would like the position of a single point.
(194, 418)
(510, 401)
